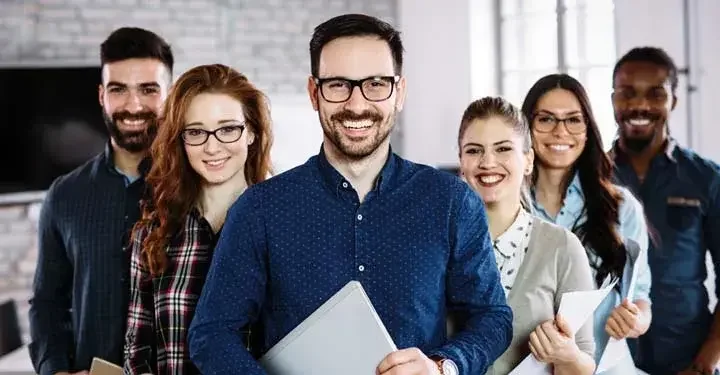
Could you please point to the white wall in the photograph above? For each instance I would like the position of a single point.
(437, 66)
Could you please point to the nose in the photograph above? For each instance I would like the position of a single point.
(560, 129)
(487, 161)
(640, 103)
(133, 103)
(357, 102)
(212, 146)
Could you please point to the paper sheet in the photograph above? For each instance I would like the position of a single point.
(576, 308)
(617, 350)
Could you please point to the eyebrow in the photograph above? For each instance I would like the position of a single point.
(498, 143)
(544, 111)
(221, 122)
(141, 85)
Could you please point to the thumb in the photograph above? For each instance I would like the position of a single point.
(563, 326)
(630, 306)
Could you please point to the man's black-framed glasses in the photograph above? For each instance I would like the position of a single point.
(374, 89)
(224, 134)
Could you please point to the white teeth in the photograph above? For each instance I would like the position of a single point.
(133, 122)
(639, 122)
(490, 179)
(559, 147)
(357, 124)
(215, 163)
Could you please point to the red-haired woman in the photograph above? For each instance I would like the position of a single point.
(213, 142)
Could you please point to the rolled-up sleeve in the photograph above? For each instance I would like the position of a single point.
(633, 226)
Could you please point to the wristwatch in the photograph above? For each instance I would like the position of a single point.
(446, 366)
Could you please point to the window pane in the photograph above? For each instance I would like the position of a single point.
(598, 84)
(513, 88)
(511, 44)
(590, 33)
(540, 35)
(509, 7)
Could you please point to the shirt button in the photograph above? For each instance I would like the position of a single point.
(361, 268)
(359, 217)
(345, 185)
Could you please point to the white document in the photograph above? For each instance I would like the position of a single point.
(576, 308)
(617, 352)
(343, 336)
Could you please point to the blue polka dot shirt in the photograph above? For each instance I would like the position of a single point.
(418, 243)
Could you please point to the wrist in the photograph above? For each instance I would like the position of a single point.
(445, 366)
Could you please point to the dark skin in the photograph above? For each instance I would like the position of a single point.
(643, 100)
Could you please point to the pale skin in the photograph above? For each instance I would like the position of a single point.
(358, 58)
(630, 319)
(491, 147)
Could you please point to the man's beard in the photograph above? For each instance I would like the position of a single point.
(633, 143)
(352, 150)
(132, 140)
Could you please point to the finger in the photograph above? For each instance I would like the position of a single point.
(627, 317)
(633, 308)
(412, 367)
(535, 353)
(543, 337)
(613, 328)
(536, 346)
(620, 321)
(395, 359)
(550, 331)
(563, 326)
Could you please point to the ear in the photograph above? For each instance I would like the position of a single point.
(674, 102)
(312, 90)
(101, 93)
(529, 162)
(401, 90)
(250, 138)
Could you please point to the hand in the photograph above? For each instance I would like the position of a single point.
(624, 321)
(553, 342)
(407, 362)
(707, 360)
(72, 373)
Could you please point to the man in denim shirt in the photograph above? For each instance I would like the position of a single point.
(681, 194)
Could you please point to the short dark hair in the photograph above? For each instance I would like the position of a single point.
(135, 43)
(354, 25)
(653, 55)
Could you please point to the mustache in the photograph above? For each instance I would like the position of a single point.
(628, 115)
(352, 116)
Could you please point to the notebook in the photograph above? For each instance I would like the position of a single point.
(102, 367)
(343, 336)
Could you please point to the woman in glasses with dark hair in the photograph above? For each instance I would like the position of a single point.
(572, 187)
(213, 142)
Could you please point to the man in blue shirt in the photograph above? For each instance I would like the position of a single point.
(681, 194)
(415, 237)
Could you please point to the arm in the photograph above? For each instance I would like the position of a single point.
(709, 355)
(574, 274)
(233, 293)
(51, 347)
(139, 336)
(633, 226)
(473, 289)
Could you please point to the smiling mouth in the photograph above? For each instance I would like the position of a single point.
(489, 180)
(216, 163)
(559, 148)
(357, 125)
(638, 121)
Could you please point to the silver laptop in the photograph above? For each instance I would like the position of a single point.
(343, 336)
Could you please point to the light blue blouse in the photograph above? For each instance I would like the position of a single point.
(633, 230)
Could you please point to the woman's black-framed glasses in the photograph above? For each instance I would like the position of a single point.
(546, 123)
(374, 89)
(224, 134)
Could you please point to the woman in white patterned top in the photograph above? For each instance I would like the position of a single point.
(538, 261)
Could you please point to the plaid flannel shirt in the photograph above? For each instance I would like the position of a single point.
(162, 307)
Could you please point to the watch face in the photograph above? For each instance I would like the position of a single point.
(449, 367)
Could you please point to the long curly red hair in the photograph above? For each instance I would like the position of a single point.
(174, 187)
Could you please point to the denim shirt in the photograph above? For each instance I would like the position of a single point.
(681, 196)
(634, 233)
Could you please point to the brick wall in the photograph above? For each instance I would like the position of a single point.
(265, 39)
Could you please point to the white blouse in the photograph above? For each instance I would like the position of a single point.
(510, 248)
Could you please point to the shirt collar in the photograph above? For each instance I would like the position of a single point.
(335, 181)
(143, 167)
(508, 242)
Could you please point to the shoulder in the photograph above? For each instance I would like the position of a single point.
(629, 204)
(73, 185)
(555, 240)
(696, 166)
